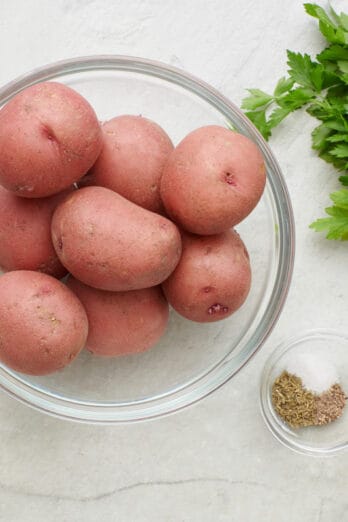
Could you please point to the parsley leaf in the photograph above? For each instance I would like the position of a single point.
(340, 151)
(333, 53)
(343, 66)
(337, 137)
(344, 21)
(344, 180)
(304, 71)
(256, 99)
(277, 116)
(337, 224)
(296, 98)
(320, 136)
(259, 120)
(340, 198)
(336, 125)
(318, 12)
(335, 31)
(283, 86)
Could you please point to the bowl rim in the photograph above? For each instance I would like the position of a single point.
(268, 413)
(111, 413)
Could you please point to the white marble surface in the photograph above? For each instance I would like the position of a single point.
(215, 461)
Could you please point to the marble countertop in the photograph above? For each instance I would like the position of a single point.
(215, 461)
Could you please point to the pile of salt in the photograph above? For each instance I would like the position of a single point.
(317, 373)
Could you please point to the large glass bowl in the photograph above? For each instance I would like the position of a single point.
(192, 360)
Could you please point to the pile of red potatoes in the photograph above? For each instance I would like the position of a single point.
(137, 223)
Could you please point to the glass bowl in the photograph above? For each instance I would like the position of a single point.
(325, 440)
(192, 360)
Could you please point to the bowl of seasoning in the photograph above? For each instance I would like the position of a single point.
(303, 393)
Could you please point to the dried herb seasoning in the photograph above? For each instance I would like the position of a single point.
(300, 407)
(292, 401)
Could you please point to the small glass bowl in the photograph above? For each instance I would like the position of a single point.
(317, 440)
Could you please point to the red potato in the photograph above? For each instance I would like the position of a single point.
(108, 242)
(131, 163)
(212, 279)
(212, 180)
(49, 138)
(25, 233)
(122, 323)
(43, 325)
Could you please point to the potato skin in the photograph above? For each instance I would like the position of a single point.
(49, 138)
(122, 323)
(212, 180)
(132, 160)
(109, 243)
(43, 325)
(212, 279)
(25, 233)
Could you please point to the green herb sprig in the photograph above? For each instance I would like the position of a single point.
(320, 86)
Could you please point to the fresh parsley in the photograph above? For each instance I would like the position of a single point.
(320, 86)
(336, 224)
